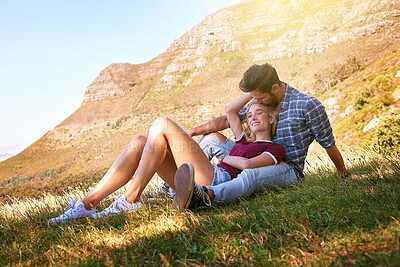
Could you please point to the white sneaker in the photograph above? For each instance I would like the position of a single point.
(75, 210)
(161, 192)
(119, 205)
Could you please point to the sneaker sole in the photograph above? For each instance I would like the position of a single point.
(184, 185)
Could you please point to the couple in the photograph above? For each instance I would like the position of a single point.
(253, 163)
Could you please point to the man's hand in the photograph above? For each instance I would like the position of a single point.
(191, 132)
(215, 125)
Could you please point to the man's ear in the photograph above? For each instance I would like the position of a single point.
(275, 88)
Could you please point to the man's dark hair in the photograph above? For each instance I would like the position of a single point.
(260, 78)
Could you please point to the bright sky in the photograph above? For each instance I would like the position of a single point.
(50, 51)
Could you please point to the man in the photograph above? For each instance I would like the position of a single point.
(302, 119)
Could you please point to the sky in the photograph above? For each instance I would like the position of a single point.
(50, 51)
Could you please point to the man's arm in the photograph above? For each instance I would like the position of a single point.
(337, 159)
(215, 125)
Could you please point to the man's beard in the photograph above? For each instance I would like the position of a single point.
(274, 101)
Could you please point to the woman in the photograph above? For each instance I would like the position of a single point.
(253, 149)
(167, 147)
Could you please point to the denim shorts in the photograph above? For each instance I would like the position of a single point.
(220, 175)
(213, 147)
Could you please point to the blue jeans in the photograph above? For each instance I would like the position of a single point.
(248, 181)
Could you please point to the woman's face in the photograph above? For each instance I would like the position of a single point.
(258, 118)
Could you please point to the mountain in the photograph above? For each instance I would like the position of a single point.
(10, 151)
(6, 155)
(343, 52)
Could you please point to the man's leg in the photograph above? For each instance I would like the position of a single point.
(253, 180)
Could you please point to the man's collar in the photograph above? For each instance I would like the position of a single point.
(286, 97)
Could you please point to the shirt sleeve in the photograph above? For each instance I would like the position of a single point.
(241, 138)
(276, 152)
(242, 112)
(318, 123)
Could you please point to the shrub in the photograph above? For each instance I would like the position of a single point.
(386, 99)
(382, 83)
(387, 137)
(331, 76)
(360, 102)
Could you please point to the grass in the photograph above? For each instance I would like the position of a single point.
(326, 221)
(90, 139)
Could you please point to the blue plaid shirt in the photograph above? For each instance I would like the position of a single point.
(302, 120)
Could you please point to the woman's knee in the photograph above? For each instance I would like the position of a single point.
(137, 142)
(160, 124)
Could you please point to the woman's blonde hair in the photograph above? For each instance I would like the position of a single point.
(250, 137)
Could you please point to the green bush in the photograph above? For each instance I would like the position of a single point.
(382, 83)
(386, 99)
(387, 138)
(360, 102)
(331, 76)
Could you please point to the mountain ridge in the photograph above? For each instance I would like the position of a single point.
(185, 81)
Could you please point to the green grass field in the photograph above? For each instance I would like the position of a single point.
(326, 221)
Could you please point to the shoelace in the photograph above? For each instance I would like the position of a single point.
(199, 191)
(161, 189)
(71, 201)
(122, 204)
(115, 204)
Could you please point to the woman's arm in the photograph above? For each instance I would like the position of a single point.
(232, 110)
(242, 163)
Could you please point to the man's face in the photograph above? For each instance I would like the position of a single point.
(267, 99)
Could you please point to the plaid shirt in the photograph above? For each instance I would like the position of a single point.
(302, 120)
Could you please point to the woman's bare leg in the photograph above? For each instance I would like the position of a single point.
(167, 138)
(122, 170)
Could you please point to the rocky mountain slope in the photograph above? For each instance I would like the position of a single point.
(344, 52)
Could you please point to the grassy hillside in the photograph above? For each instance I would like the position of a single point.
(346, 53)
(326, 221)
(357, 68)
